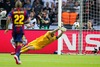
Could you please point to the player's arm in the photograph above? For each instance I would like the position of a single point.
(27, 21)
(8, 21)
(27, 18)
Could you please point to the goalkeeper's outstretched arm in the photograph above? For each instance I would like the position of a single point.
(60, 34)
(59, 28)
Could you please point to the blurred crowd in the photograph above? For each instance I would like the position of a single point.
(44, 13)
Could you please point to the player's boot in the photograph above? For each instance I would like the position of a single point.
(12, 53)
(17, 60)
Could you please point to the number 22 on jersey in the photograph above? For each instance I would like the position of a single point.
(18, 19)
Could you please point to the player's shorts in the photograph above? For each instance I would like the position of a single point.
(24, 41)
(17, 37)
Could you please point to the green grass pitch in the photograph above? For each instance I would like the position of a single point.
(51, 60)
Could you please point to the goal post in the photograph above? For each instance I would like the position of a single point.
(59, 24)
(80, 29)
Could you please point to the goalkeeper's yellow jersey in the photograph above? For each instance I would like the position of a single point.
(42, 41)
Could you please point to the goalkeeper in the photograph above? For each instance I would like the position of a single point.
(43, 40)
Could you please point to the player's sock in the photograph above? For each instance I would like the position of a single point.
(24, 50)
(18, 48)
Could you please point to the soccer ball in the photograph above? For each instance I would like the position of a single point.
(3, 14)
(76, 25)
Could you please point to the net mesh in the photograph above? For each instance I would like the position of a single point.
(90, 26)
(91, 12)
(91, 20)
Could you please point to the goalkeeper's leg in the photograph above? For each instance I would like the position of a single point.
(26, 48)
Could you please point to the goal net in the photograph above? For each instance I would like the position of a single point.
(91, 21)
(82, 19)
